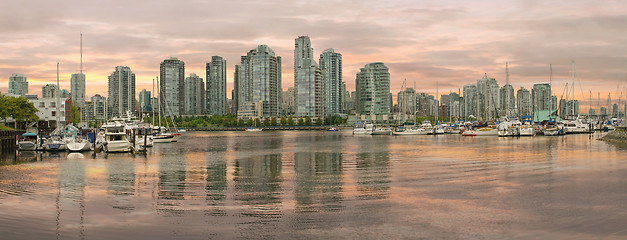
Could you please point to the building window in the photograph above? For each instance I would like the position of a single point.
(54, 114)
(53, 104)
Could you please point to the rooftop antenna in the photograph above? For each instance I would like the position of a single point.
(506, 74)
(81, 54)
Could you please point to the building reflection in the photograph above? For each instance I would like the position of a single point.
(171, 193)
(216, 182)
(373, 168)
(318, 181)
(121, 179)
(257, 187)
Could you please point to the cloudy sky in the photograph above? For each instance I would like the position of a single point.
(451, 42)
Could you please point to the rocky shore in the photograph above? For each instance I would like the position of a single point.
(619, 135)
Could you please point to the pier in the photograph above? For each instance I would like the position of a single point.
(8, 140)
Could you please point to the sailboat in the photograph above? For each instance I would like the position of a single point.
(75, 142)
(161, 136)
(55, 141)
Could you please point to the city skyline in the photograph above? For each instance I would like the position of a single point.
(454, 44)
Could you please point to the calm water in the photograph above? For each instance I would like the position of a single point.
(312, 185)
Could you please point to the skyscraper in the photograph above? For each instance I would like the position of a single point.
(18, 84)
(259, 83)
(216, 86)
(49, 91)
(172, 84)
(308, 81)
(121, 96)
(508, 101)
(194, 95)
(407, 101)
(541, 96)
(331, 65)
(145, 103)
(373, 89)
(77, 89)
(470, 98)
(524, 102)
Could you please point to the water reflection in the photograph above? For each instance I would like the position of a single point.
(70, 200)
(216, 181)
(121, 179)
(171, 183)
(373, 168)
(302, 185)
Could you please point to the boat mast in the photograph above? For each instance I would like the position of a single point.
(551, 89)
(151, 106)
(437, 99)
(573, 86)
(159, 101)
(507, 89)
(57, 96)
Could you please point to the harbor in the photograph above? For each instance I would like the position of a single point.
(305, 184)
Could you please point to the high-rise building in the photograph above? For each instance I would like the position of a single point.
(18, 84)
(96, 110)
(488, 91)
(145, 103)
(49, 91)
(407, 101)
(121, 96)
(216, 86)
(347, 103)
(259, 83)
(470, 93)
(331, 64)
(288, 102)
(373, 89)
(77, 89)
(172, 84)
(236, 89)
(195, 95)
(541, 95)
(308, 81)
(507, 101)
(524, 102)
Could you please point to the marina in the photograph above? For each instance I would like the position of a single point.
(305, 184)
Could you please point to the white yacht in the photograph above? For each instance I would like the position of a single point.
(381, 130)
(112, 138)
(362, 128)
(28, 142)
(576, 126)
(410, 131)
(483, 131)
(509, 128)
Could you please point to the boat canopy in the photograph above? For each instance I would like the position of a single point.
(29, 134)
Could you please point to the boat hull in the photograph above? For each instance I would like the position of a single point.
(117, 146)
(79, 146)
(27, 146)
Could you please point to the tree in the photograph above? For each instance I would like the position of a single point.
(76, 114)
(19, 108)
(283, 121)
(266, 122)
(301, 122)
(290, 121)
(273, 121)
(308, 121)
(240, 122)
(249, 122)
(257, 122)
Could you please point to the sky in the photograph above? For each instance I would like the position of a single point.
(443, 43)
